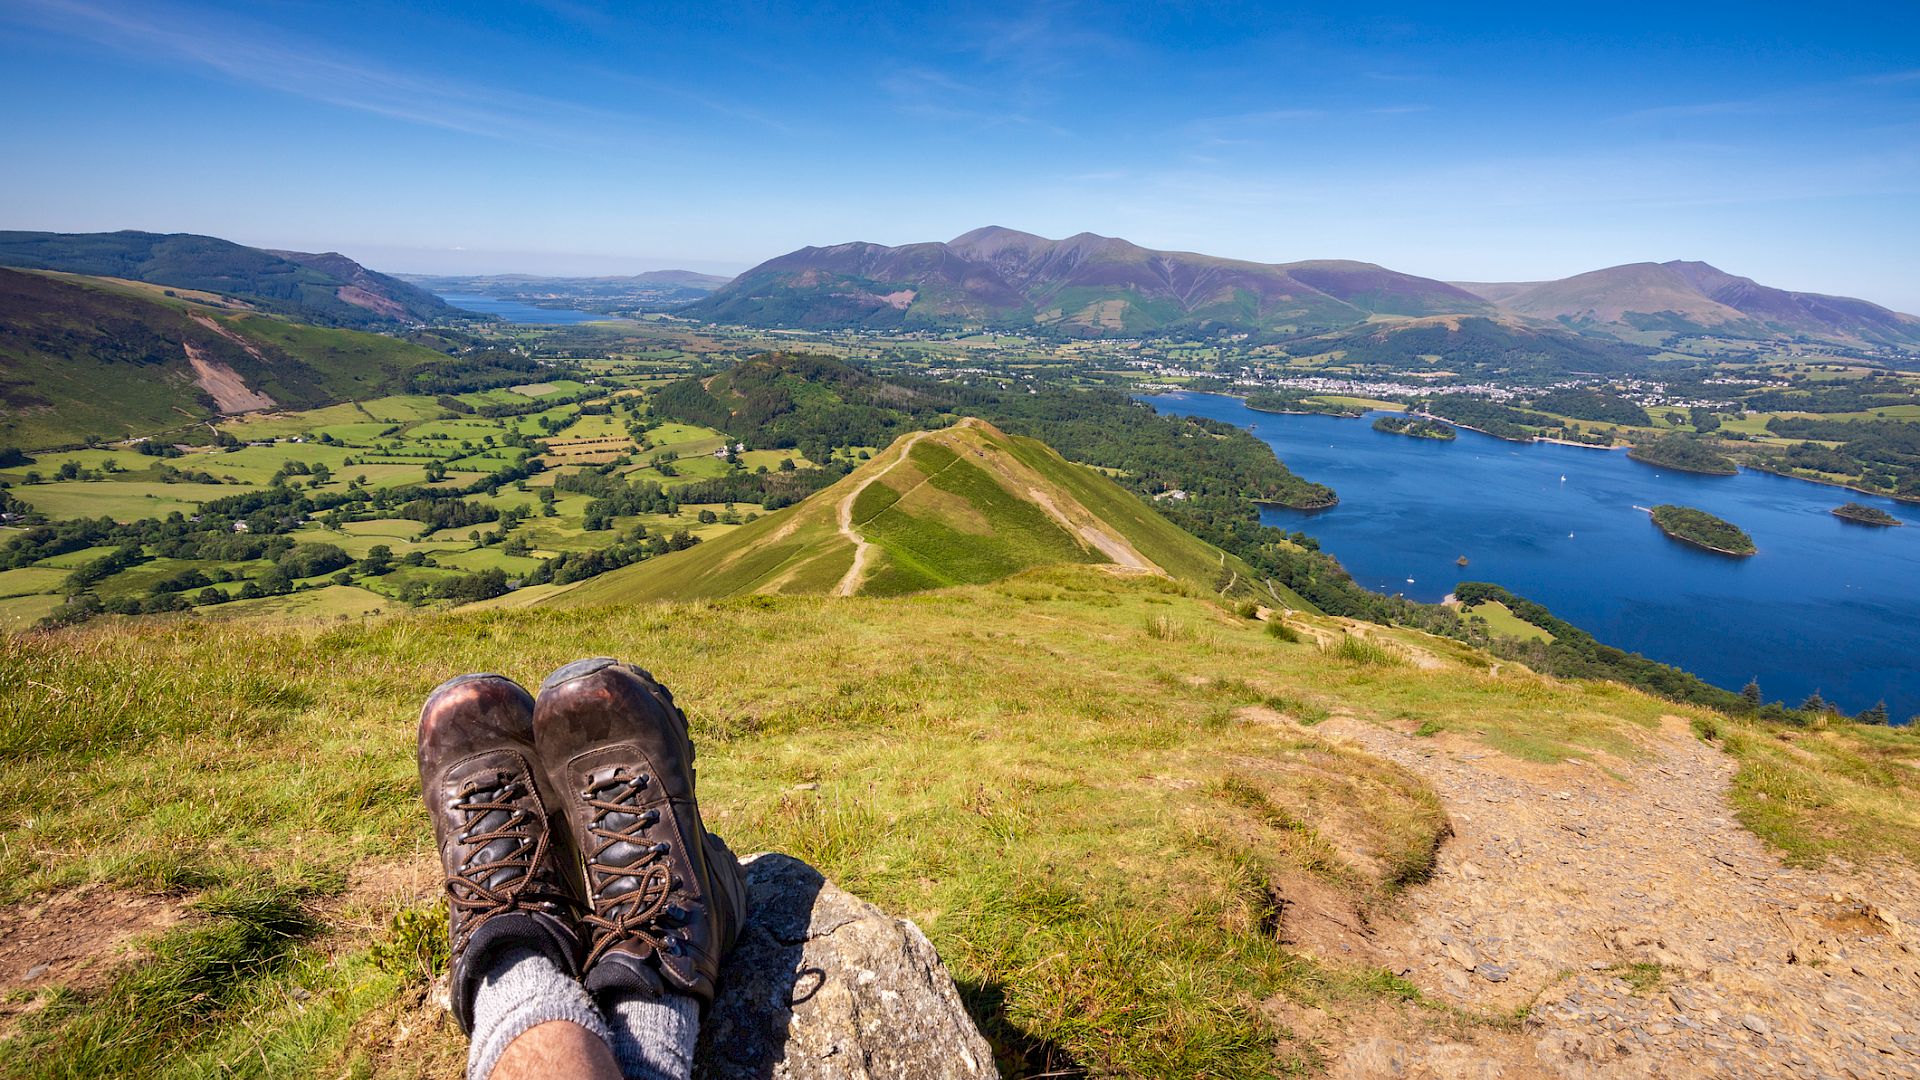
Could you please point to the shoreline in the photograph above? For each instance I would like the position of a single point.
(1905, 500)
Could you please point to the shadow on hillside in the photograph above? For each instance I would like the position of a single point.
(1017, 1051)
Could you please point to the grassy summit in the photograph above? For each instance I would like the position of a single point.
(968, 504)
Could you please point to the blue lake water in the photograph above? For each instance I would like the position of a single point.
(514, 311)
(1825, 604)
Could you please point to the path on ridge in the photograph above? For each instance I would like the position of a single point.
(862, 550)
(1561, 879)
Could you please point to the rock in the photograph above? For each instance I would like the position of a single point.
(1371, 1058)
(35, 972)
(823, 984)
(1493, 972)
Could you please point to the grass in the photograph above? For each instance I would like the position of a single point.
(1354, 649)
(1832, 789)
(1500, 619)
(1065, 804)
(121, 500)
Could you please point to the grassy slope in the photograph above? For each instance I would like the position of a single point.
(1054, 775)
(958, 509)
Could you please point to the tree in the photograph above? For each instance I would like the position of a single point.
(379, 561)
(1751, 692)
(1875, 715)
(1814, 703)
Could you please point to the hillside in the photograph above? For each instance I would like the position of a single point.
(1150, 838)
(968, 504)
(1084, 285)
(1694, 298)
(83, 357)
(329, 289)
(1475, 344)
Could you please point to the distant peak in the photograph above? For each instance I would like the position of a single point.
(994, 232)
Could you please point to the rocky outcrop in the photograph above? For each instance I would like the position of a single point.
(823, 984)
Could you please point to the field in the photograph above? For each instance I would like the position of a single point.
(361, 448)
(1501, 620)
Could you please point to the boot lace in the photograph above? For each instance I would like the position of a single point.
(468, 890)
(611, 799)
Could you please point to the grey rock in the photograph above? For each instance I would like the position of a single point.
(824, 985)
(1493, 972)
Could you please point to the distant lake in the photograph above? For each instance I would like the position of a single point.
(514, 311)
(1826, 604)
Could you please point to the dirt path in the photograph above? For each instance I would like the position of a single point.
(1650, 933)
(863, 551)
(1113, 547)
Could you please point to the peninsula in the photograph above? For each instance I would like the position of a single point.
(1414, 428)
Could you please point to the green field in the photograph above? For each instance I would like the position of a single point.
(1501, 620)
(122, 500)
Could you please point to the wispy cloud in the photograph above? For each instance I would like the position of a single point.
(288, 65)
(922, 91)
(1854, 96)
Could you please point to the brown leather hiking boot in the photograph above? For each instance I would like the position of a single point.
(506, 885)
(667, 896)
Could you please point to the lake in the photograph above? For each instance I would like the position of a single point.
(1825, 605)
(514, 311)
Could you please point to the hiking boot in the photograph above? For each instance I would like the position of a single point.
(667, 897)
(505, 881)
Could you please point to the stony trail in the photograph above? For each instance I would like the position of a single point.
(1650, 934)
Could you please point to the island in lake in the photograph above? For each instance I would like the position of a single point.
(1418, 429)
(1865, 515)
(1703, 530)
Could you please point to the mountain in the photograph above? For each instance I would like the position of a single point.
(1085, 285)
(327, 289)
(1092, 286)
(653, 289)
(1696, 298)
(967, 504)
(82, 356)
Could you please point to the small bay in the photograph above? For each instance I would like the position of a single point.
(1824, 605)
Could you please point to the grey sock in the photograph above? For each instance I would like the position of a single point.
(522, 990)
(653, 1037)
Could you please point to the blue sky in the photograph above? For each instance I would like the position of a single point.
(1455, 140)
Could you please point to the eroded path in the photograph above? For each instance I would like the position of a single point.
(1650, 933)
(862, 550)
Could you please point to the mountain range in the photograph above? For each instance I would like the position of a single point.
(326, 289)
(1090, 285)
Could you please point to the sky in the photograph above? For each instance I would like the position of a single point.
(1458, 141)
